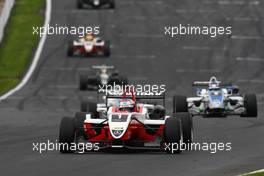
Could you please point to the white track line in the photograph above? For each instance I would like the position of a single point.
(228, 2)
(255, 81)
(60, 97)
(197, 71)
(138, 78)
(240, 19)
(242, 37)
(36, 56)
(157, 2)
(195, 11)
(252, 59)
(254, 172)
(141, 35)
(68, 68)
(201, 48)
(123, 56)
(63, 86)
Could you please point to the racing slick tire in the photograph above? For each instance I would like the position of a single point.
(111, 4)
(187, 127)
(78, 123)
(66, 134)
(70, 50)
(79, 4)
(172, 134)
(90, 107)
(180, 104)
(92, 83)
(118, 80)
(157, 113)
(83, 82)
(250, 104)
(107, 51)
(124, 80)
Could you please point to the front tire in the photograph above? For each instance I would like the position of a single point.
(172, 134)
(180, 104)
(250, 104)
(83, 82)
(66, 134)
(187, 127)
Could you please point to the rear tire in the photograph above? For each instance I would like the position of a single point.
(78, 122)
(67, 134)
(180, 104)
(187, 127)
(250, 103)
(79, 4)
(70, 50)
(172, 133)
(107, 51)
(90, 107)
(111, 4)
(83, 82)
(84, 106)
(124, 80)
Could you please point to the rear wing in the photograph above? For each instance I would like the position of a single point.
(231, 88)
(138, 96)
(206, 84)
(103, 67)
(213, 80)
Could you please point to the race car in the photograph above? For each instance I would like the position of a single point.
(89, 46)
(218, 100)
(104, 75)
(95, 3)
(124, 122)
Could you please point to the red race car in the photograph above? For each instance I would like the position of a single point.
(127, 122)
(89, 46)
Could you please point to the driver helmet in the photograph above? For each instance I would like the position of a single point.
(104, 71)
(89, 37)
(127, 105)
(214, 84)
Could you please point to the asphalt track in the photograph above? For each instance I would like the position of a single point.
(145, 55)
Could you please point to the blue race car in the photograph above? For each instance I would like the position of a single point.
(217, 100)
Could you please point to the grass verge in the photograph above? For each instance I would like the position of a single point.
(19, 43)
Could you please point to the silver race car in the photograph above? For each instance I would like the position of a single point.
(95, 4)
(104, 75)
(217, 100)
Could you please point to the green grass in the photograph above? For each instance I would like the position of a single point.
(19, 43)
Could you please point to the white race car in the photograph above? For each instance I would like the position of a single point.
(218, 100)
(124, 123)
(89, 46)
